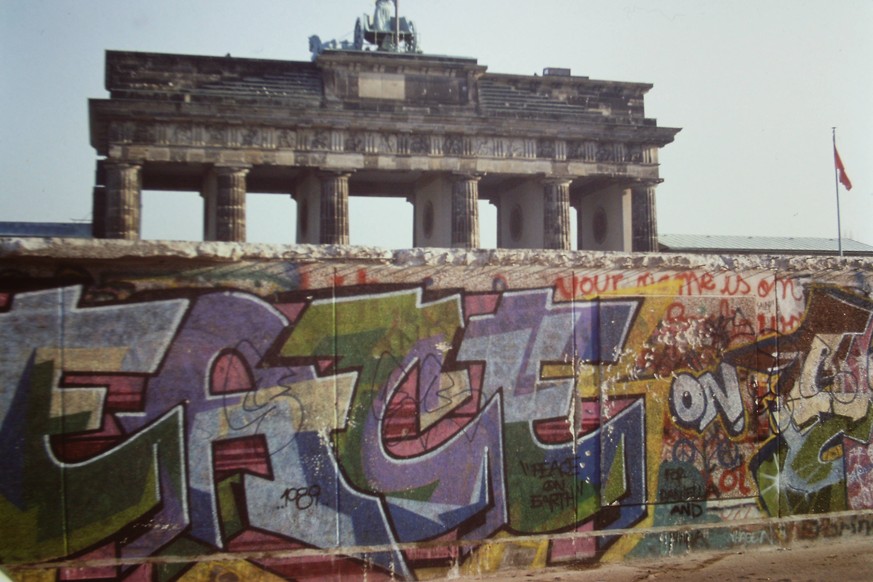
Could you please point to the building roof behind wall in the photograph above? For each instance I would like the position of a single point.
(46, 229)
(703, 243)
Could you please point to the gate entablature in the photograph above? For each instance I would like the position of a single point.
(176, 118)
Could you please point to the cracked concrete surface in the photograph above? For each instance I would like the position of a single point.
(844, 560)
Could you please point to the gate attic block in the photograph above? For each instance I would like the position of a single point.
(439, 131)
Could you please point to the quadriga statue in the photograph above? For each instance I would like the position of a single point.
(380, 29)
(383, 19)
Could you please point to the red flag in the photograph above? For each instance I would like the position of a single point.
(844, 179)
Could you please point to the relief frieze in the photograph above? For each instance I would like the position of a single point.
(582, 150)
(354, 142)
(419, 144)
(122, 132)
(286, 138)
(487, 147)
(516, 148)
(179, 134)
(318, 140)
(546, 149)
(215, 136)
(453, 145)
(387, 143)
(605, 153)
(145, 134)
(379, 142)
(251, 137)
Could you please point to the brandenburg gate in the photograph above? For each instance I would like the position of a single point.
(441, 132)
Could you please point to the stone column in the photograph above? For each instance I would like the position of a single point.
(230, 203)
(334, 207)
(122, 200)
(465, 211)
(98, 202)
(98, 211)
(556, 214)
(644, 224)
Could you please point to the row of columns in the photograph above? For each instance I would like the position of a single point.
(117, 205)
(225, 208)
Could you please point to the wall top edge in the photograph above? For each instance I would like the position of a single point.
(23, 248)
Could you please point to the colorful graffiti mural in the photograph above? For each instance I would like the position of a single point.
(288, 426)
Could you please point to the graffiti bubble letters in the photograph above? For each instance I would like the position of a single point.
(695, 402)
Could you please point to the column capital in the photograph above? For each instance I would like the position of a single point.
(334, 172)
(468, 176)
(646, 183)
(121, 164)
(557, 181)
(229, 169)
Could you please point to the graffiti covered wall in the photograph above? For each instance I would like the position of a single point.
(417, 415)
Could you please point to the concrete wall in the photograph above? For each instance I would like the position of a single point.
(222, 411)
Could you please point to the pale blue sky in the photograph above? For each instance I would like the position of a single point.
(756, 86)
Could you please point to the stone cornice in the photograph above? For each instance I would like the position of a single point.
(115, 123)
(575, 82)
(464, 119)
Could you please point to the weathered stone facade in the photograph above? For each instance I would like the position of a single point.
(363, 124)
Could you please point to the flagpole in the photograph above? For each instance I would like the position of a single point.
(397, 26)
(837, 190)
